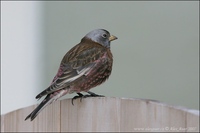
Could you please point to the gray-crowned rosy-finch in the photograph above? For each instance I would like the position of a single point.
(85, 66)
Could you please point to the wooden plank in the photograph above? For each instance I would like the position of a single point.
(192, 121)
(172, 119)
(92, 114)
(14, 121)
(48, 120)
(104, 114)
(133, 115)
(145, 115)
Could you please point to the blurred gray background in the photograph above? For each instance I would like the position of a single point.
(156, 55)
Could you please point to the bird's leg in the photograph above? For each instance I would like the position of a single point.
(75, 97)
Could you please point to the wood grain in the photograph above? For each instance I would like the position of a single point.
(104, 114)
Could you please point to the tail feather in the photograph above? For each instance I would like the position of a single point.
(48, 100)
(40, 107)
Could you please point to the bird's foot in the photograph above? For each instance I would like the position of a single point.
(92, 94)
(75, 97)
(81, 96)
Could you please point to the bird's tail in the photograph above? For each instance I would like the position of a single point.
(48, 100)
(40, 107)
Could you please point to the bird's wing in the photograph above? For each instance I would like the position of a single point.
(78, 62)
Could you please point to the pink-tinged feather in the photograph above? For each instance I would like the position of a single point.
(83, 67)
(59, 73)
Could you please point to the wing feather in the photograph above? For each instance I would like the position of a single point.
(78, 62)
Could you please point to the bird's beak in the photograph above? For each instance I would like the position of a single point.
(111, 38)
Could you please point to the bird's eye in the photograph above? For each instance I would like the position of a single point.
(104, 36)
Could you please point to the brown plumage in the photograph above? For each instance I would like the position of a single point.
(85, 66)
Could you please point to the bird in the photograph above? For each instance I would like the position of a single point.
(86, 65)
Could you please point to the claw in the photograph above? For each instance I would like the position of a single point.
(75, 97)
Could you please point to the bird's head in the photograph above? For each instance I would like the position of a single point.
(101, 36)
